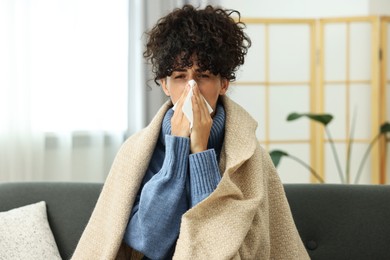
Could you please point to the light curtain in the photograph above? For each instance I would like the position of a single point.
(63, 88)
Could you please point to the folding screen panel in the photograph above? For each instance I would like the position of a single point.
(349, 89)
(318, 66)
(277, 79)
(385, 97)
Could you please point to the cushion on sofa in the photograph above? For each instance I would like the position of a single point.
(25, 234)
(69, 206)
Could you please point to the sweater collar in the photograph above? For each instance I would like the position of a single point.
(216, 133)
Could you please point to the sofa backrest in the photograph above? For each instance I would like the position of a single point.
(342, 221)
(334, 221)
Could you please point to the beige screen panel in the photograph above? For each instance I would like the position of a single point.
(332, 174)
(318, 66)
(360, 108)
(334, 104)
(254, 69)
(350, 85)
(290, 171)
(385, 97)
(277, 79)
(335, 51)
(354, 109)
(289, 52)
(331, 169)
(252, 98)
(386, 48)
(359, 148)
(387, 108)
(360, 51)
(282, 101)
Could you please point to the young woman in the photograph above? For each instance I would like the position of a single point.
(195, 183)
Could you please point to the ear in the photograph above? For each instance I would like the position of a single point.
(165, 86)
(224, 86)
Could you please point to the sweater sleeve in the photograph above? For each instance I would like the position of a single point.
(204, 175)
(155, 221)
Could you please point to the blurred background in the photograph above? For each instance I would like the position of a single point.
(74, 84)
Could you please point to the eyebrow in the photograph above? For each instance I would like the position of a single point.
(184, 70)
(180, 70)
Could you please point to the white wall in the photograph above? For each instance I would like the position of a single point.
(379, 7)
(302, 8)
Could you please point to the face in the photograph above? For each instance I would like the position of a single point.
(210, 86)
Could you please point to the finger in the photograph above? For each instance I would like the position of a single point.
(195, 109)
(201, 102)
(196, 104)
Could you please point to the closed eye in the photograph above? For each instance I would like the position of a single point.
(180, 76)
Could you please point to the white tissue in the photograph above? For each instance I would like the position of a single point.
(187, 106)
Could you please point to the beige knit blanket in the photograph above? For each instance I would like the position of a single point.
(246, 217)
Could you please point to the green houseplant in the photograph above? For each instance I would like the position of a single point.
(325, 119)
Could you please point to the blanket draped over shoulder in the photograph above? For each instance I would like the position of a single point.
(246, 217)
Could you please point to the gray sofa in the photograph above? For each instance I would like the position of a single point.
(334, 221)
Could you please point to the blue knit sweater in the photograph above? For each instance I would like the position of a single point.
(174, 182)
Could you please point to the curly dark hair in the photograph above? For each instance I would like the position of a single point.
(211, 34)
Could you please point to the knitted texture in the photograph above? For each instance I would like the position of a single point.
(169, 188)
(246, 217)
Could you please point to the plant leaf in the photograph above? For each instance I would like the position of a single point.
(385, 127)
(293, 116)
(276, 156)
(321, 118)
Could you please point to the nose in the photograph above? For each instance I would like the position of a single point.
(191, 75)
(192, 82)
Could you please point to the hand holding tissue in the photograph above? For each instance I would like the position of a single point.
(187, 106)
